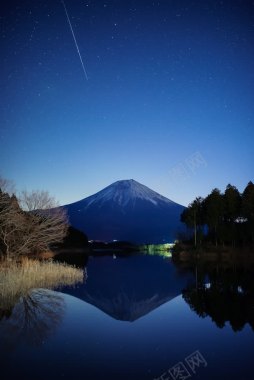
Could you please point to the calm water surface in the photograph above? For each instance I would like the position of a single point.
(136, 317)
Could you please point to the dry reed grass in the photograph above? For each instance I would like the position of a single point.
(17, 279)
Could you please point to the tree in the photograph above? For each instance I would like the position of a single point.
(7, 186)
(11, 224)
(36, 200)
(214, 212)
(248, 209)
(229, 216)
(232, 203)
(47, 223)
(193, 217)
(232, 210)
(30, 230)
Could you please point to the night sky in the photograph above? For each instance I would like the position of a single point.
(168, 100)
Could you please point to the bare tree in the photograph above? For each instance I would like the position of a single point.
(33, 228)
(7, 186)
(36, 200)
(11, 224)
(47, 223)
(10, 218)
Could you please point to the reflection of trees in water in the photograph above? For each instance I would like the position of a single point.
(226, 295)
(32, 319)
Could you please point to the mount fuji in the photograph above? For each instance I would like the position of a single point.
(128, 211)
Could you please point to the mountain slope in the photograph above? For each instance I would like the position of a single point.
(127, 210)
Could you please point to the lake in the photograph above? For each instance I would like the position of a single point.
(136, 317)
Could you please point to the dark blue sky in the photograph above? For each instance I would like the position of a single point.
(168, 100)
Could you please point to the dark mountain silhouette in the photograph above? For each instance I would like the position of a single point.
(127, 210)
(127, 288)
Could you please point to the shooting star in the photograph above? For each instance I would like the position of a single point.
(69, 21)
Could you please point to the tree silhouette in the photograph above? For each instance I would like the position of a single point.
(214, 213)
(248, 210)
(34, 228)
(229, 217)
(193, 217)
(232, 210)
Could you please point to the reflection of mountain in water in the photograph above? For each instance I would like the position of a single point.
(129, 288)
(226, 295)
(32, 319)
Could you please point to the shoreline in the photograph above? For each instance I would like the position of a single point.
(184, 252)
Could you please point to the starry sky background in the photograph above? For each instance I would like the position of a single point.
(168, 100)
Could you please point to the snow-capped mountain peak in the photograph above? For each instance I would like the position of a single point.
(128, 211)
(126, 191)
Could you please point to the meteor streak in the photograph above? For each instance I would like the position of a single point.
(69, 21)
